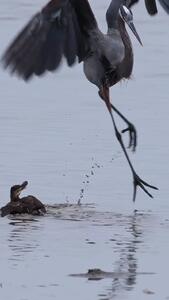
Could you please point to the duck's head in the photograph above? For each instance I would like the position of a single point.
(16, 190)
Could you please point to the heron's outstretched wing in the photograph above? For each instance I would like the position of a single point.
(60, 29)
(151, 5)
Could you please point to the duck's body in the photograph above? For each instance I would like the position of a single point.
(32, 205)
(12, 208)
(28, 204)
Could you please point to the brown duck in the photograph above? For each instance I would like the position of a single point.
(17, 205)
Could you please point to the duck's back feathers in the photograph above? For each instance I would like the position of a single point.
(12, 208)
(33, 205)
(28, 204)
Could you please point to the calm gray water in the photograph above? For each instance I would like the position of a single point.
(55, 132)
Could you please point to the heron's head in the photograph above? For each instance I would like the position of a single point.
(127, 16)
(16, 190)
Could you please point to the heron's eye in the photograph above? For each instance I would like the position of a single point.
(125, 13)
(130, 11)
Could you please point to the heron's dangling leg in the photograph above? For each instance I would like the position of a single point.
(137, 181)
(131, 128)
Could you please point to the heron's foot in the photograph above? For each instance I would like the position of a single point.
(137, 181)
(132, 136)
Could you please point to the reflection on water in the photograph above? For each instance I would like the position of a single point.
(49, 134)
(54, 246)
(21, 239)
(127, 261)
(125, 270)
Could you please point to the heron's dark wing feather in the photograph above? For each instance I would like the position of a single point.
(60, 29)
(165, 5)
(151, 5)
(132, 2)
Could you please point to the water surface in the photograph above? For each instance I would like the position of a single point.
(56, 133)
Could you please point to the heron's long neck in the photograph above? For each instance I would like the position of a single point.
(124, 34)
(113, 13)
(126, 66)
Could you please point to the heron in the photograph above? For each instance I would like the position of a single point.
(151, 5)
(69, 29)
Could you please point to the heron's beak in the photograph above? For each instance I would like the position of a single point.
(133, 29)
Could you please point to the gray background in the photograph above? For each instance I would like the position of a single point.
(53, 132)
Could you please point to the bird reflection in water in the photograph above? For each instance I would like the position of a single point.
(22, 238)
(127, 262)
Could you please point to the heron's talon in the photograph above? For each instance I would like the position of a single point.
(132, 136)
(141, 183)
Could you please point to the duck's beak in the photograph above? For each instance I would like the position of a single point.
(133, 29)
(23, 185)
